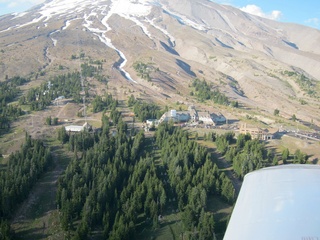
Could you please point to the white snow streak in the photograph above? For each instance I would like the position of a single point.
(127, 9)
(8, 29)
(133, 10)
(139, 23)
(55, 41)
(17, 15)
(101, 34)
(165, 32)
(68, 23)
(185, 20)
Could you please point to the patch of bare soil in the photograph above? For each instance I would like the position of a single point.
(68, 110)
(309, 147)
(224, 166)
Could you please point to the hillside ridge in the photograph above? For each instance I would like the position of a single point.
(233, 50)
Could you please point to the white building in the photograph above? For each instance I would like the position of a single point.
(211, 118)
(206, 118)
(59, 100)
(193, 114)
(77, 128)
(175, 116)
(151, 122)
(258, 133)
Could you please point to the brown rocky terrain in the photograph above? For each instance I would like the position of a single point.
(245, 56)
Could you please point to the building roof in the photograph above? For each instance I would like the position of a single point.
(218, 116)
(204, 114)
(272, 130)
(77, 128)
(74, 128)
(86, 125)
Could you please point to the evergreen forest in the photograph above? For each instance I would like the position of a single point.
(23, 169)
(116, 184)
(204, 91)
(9, 111)
(120, 182)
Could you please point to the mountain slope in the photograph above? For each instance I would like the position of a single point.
(250, 59)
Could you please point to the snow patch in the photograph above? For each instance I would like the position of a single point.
(125, 7)
(18, 15)
(101, 34)
(165, 32)
(138, 23)
(129, 7)
(185, 20)
(68, 23)
(55, 41)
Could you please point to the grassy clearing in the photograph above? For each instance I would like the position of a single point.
(10, 142)
(171, 227)
(292, 143)
(222, 212)
(3, 163)
(25, 108)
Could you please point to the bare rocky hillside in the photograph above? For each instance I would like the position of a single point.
(261, 63)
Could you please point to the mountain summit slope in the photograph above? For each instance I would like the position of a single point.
(256, 61)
